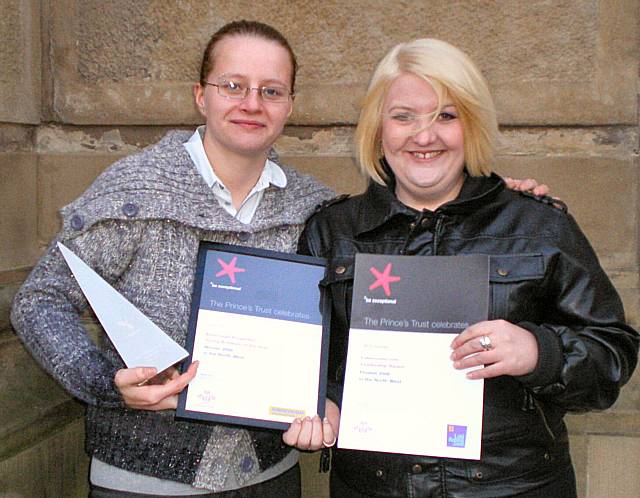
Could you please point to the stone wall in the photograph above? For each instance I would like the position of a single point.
(84, 82)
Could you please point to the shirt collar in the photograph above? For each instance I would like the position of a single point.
(272, 174)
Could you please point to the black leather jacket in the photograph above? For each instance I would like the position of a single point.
(544, 276)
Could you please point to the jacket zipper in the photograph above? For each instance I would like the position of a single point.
(544, 419)
(436, 232)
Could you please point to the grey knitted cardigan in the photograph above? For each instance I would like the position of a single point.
(139, 226)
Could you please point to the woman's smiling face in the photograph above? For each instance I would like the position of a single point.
(425, 154)
(248, 126)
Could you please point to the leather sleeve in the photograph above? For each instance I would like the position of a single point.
(586, 350)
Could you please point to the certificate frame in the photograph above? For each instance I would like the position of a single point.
(263, 258)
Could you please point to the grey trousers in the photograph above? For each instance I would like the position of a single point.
(286, 485)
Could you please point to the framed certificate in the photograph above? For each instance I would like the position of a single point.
(401, 392)
(258, 331)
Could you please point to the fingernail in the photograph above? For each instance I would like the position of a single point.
(325, 420)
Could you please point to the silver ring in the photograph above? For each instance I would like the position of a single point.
(485, 342)
(329, 445)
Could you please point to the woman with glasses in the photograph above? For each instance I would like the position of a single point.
(556, 338)
(139, 226)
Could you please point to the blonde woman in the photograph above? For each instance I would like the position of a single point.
(556, 338)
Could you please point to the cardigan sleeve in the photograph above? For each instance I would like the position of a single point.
(47, 310)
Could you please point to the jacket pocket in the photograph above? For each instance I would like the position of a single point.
(339, 270)
(515, 282)
(519, 460)
(337, 286)
(372, 473)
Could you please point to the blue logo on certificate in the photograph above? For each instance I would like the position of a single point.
(456, 435)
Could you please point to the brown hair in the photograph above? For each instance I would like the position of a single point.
(246, 28)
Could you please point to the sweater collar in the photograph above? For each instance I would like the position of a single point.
(161, 182)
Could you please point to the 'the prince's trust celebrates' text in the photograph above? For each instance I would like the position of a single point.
(414, 324)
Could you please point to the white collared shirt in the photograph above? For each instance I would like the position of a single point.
(271, 174)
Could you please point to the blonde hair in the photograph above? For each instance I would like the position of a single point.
(452, 74)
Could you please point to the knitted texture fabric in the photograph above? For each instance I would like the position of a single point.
(138, 226)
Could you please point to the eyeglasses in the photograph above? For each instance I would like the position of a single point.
(237, 91)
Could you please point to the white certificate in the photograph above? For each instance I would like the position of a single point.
(402, 395)
(257, 330)
(253, 367)
(401, 392)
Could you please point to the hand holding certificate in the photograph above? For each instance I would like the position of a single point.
(399, 377)
(257, 331)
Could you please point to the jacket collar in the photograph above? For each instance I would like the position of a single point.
(381, 205)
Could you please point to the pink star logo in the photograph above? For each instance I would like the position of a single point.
(383, 279)
(229, 269)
